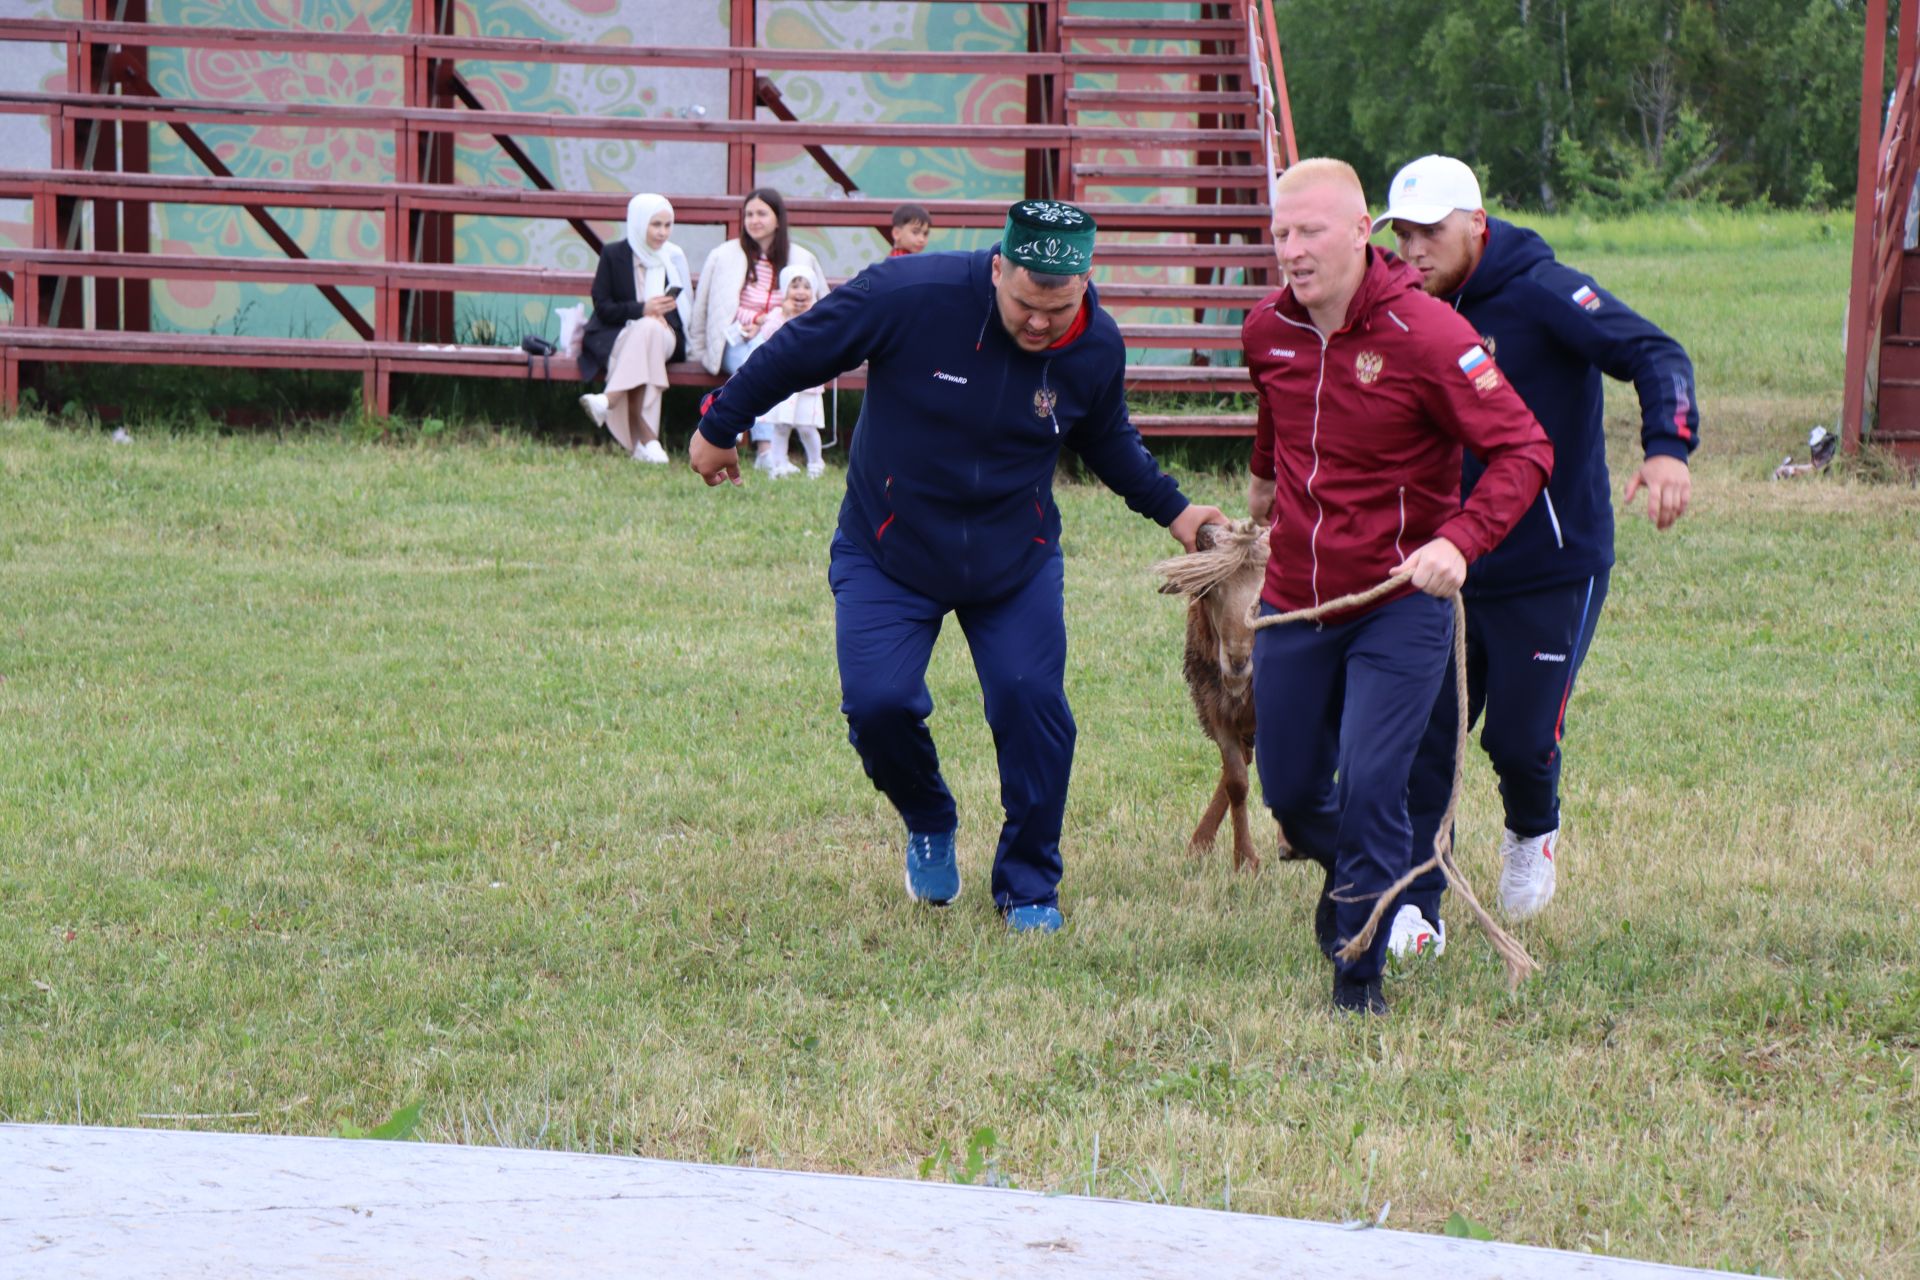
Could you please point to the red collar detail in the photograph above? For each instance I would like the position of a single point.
(1074, 330)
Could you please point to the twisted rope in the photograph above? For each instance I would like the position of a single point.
(1519, 964)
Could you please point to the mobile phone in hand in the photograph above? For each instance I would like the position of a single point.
(673, 291)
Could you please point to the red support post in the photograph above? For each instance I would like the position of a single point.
(59, 229)
(98, 144)
(1861, 330)
(1208, 83)
(136, 217)
(1279, 84)
(742, 100)
(1062, 158)
(1043, 167)
(386, 299)
(428, 317)
(45, 216)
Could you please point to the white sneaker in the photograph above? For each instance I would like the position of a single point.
(1526, 873)
(652, 451)
(1412, 938)
(815, 470)
(596, 406)
(763, 462)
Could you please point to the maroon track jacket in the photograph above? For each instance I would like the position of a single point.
(1361, 432)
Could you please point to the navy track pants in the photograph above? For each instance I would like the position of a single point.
(1340, 709)
(884, 632)
(1523, 653)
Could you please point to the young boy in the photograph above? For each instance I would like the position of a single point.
(912, 224)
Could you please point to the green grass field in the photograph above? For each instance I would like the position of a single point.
(509, 779)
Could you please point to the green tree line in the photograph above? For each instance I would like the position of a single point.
(1611, 104)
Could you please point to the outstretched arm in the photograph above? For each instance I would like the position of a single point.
(1625, 345)
(1475, 404)
(1107, 440)
(846, 327)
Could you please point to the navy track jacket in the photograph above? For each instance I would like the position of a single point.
(1554, 332)
(950, 476)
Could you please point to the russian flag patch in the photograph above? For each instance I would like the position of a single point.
(1587, 298)
(1480, 368)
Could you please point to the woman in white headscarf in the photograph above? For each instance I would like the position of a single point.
(635, 330)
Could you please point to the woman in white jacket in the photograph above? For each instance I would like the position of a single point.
(739, 288)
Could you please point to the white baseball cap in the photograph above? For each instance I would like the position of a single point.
(1429, 189)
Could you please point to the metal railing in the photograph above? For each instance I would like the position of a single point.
(1889, 152)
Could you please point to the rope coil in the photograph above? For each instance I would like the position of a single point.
(1518, 963)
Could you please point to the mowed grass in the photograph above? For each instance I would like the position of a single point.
(510, 779)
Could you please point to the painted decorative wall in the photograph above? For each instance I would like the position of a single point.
(612, 166)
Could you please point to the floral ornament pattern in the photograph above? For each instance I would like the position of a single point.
(614, 167)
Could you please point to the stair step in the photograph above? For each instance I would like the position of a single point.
(1206, 64)
(1221, 29)
(1159, 100)
(1900, 359)
(1180, 377)
(1219, 297)
(1194, 424)
(1250, 176)
(1252, 256)
(1131, 113)
(1899, 407)
(1183, 337)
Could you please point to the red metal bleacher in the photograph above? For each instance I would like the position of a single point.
(1232, 138)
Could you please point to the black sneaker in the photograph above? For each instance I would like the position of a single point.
(1358, 995)
(1323, 919)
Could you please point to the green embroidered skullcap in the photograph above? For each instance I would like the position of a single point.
(1048, 236)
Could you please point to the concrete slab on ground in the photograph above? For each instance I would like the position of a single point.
(141, 1204)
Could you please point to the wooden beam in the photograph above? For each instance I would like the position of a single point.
(1860, 326)
(741, 54)
(705, 209)
(158, 110)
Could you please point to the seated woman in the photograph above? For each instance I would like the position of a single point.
(803, 412)
(635, 330)
(739, 289)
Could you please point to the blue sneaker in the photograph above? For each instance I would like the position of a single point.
(932, 874)
(1034, 920)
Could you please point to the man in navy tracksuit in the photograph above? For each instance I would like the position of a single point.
(1533, 602)
(980, 366)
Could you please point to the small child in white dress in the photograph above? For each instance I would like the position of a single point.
(803, 412)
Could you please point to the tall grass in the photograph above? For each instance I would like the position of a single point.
(508, 779)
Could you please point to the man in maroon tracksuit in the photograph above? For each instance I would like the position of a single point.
(1368, 390)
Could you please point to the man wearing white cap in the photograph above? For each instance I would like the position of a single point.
(1533, 602)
